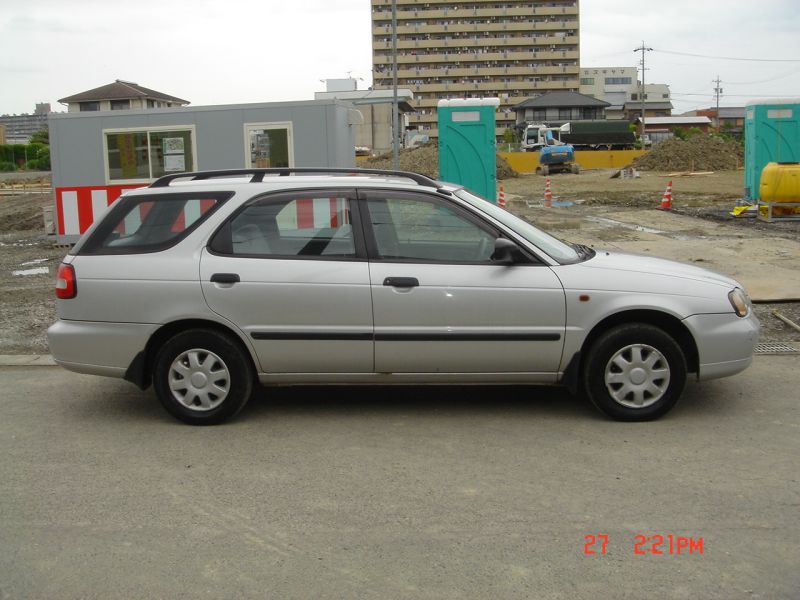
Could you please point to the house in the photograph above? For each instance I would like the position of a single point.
(560, 106)
(661, 128)
(120, 95)
(730, 119)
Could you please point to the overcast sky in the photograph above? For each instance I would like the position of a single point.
(212, 52)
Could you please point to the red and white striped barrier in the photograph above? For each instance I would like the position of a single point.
(78, 207)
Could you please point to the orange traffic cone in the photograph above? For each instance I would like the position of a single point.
(548, 195)
(501, 197)
(666, 199)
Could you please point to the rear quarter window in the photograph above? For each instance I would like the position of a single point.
(150, 223)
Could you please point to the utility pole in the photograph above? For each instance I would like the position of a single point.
(717, 93)
(644, 50)
(395, 111)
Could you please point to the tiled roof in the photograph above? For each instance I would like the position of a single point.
(561, 100)
(121, 90)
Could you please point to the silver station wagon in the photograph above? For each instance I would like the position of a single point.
(205, 284)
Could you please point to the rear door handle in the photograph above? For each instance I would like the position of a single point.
(225, 278)
(404, 282)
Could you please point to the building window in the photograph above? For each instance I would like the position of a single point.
(142, 155)
(618, 80)
(587, 80)
(564, 113)
(151, 103)
(84, 106)
(269, 145)
(120, 105)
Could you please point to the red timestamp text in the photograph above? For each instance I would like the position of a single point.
(656, 544)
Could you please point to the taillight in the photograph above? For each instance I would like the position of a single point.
(66, 282)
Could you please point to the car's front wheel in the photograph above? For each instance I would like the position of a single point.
(202, 377)
(634, 372)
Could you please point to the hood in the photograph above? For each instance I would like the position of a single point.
(639, 263)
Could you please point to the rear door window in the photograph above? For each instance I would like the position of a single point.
(315, 224)
(139, 224)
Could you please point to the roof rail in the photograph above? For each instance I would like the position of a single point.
(257, 175)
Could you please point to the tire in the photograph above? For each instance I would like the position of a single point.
(634, 372)
(202, 377)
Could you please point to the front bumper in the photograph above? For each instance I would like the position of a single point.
(725, 343)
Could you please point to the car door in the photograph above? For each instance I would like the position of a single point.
(290, 270)
(441, 305)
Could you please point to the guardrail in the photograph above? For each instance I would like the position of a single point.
(19, 190)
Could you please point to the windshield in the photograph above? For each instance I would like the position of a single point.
(555, 248)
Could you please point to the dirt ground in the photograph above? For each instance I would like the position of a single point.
(613, 213)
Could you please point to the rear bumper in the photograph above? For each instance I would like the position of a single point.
(97, 348)
(725, 343)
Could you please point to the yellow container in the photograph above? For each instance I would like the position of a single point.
(780, 182)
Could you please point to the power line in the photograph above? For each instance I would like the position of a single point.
(792, 72)
(753, 95)
(791, 60)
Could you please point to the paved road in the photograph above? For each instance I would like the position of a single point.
(413, 493)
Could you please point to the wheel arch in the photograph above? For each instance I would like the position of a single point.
(140, 371)
(665, 321)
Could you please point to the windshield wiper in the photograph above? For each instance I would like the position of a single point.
(583, 250)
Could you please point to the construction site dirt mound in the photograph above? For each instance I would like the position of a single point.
(705, 152)
(23, 212)
(425, 160)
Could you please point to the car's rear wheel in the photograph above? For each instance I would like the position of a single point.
(202, 377)
(634, 372)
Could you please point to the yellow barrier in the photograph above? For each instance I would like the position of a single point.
(526, 162)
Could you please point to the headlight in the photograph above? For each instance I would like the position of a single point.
(740, 301)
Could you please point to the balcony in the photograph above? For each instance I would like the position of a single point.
(480, 42)
(404, 29)
(480, 58)
(404, 13)
(494, 72)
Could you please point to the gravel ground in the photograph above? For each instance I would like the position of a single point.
(28, 266)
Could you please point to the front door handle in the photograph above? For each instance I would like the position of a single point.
(404, 282)
(225, 278)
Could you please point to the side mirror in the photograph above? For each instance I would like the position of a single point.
(507, 252)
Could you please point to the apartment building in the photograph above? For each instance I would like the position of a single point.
(509, 49)
(621, 88)
(18, 129)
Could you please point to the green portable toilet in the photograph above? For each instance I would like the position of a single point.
(771, 134)
(467, 152)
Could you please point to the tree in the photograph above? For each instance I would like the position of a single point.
(41, 137)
